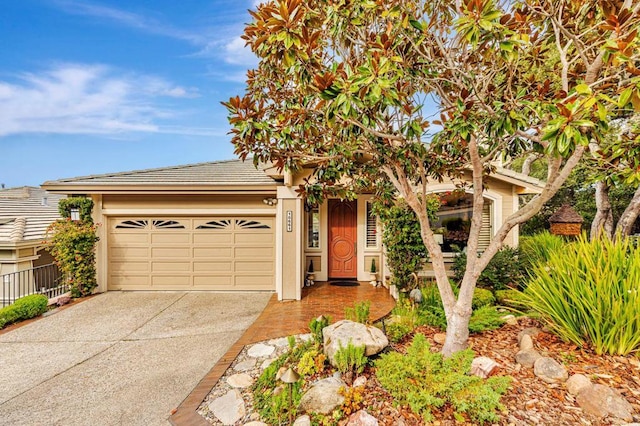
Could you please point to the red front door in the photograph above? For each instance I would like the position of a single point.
(342, 239)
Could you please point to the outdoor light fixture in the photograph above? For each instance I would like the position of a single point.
(290, 377)
(270, 201)
(75, 214)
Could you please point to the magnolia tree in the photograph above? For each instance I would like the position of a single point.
(615, 162)
(342, 85)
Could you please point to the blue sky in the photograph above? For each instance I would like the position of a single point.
(104, 86)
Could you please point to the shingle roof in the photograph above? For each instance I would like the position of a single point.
(566, 214)
(217, 173)
(26, 213)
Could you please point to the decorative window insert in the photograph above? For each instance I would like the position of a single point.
(371, 227)
(167, 224)
(251, 224)
(313, 227)
(216, 224)
(132, 224)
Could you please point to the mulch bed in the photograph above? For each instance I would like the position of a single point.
(529, 401)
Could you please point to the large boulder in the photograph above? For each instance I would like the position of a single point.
(323, 397)
(602, 401)
(344, 332)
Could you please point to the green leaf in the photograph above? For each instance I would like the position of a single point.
(583, 89)
(625, 96)
(416, 24)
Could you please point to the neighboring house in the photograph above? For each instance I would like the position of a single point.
(25, 214)
(229, 226)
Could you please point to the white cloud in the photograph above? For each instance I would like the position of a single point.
(129, 19)
(219, 41)
(87, 99)
(237, 53)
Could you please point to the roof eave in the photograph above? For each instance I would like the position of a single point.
(66, 188)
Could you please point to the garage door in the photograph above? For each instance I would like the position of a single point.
(191, 253)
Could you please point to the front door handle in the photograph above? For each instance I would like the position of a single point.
(355, 248)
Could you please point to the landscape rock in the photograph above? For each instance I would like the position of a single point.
(510, 319)
(229, 408)
(602, 401)
(528, 358)
(529, 331)
(342, 332)
(439, 338)
(362, 418)
(266, 363)
(260, 350)
(302, 421)
(359, 381)
(323, 397)
(240, 380)
(577, 383)
(483, 367)
(256, 423)
(246, 365)
(550, 370)
(526, 343)
(280, 342)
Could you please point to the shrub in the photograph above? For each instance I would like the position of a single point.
(396, 331)
(8, 315)
(24, 308)
(482, 297)
(311, 362)
(316, 326)
(485, 318)
(537, 248)
(359, 312)
(73, 246)
(511, 298)
(270, 399)
(350, 360)
(589, 293)
(423, 379)
(503, 271)
(405, 250)
(31, 306)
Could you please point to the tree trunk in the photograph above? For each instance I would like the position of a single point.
(629, 216)
(603, 221)
(458, 321)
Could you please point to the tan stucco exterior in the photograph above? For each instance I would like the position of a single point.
(147, 256)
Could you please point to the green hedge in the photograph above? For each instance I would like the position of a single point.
(23, 308)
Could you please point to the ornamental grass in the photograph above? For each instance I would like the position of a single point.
(588, 293)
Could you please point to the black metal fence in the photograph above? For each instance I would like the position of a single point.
(45, 280)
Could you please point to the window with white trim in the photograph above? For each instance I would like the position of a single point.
(371, 228)
(313, 227)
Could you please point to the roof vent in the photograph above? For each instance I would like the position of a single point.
(45, 201)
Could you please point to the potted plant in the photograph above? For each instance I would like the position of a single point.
(373, 273)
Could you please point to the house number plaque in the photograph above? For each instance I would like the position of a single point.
(289, 221)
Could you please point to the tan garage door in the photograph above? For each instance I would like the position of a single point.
(191, 253)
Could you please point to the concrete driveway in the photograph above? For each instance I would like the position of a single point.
(120, 358)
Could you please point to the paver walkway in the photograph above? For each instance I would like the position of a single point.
(119, 358)
(280, 319)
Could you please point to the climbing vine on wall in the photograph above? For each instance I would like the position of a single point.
(73, 245)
